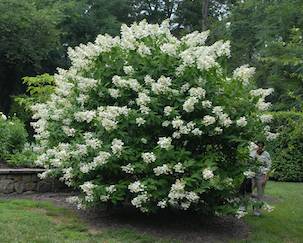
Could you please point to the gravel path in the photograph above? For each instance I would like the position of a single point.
(177, 226)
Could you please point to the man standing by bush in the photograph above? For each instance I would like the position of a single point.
(264, 163)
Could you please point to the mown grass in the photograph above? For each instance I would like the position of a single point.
(27, 221)
(285, 223)
(41, 222)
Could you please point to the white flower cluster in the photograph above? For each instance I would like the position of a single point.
(162, 203)
(129, 169)
(208, 120)
(207, 174)
(162, 170)
(162, 85)
(195, 38)
(262, 93)
(182, 127)
(169, 48)
(86, 116)
(88, 188)
(204, 57)
(128, 70)
(141, 198)
(101, 159)
(195, 94)
(67, 176)
(179, 168)
(189, 104)
(115, 93)
(167, 110)
(241, 122)
(86, 84)
(244, 73)
(165, 143)
(109, 191)
(136, 187)
(75, 200)
(2, 116)
(266, 118)
(108, 116)
(149, 157)
(130, 83)
(178, 196)
(223, 118)
(271, 136)
(241, 212)
(117, 146)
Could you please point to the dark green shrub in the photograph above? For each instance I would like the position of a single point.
(23, 158)
(287, 150)
(13, 137)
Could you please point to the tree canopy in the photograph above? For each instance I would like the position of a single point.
(35, 34)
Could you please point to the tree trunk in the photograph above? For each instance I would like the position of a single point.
(204, 14)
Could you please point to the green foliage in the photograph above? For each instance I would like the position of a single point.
(287, 150)
(262, 33)
(38, 90)
(22, 158)
(13, 137)
(284, 63)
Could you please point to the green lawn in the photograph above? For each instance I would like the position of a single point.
(285, 223)
(34, 221)
(27, 221)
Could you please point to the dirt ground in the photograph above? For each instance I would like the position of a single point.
(175, 226)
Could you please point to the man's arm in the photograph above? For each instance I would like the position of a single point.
(268, 161)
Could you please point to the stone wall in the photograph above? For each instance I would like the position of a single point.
(26, 180)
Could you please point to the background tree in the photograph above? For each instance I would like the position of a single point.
(34, 35)
(28, 36)
(259, 31)
(154, 11)
(202, 14)
(284, 65)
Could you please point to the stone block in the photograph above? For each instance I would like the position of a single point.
(44, 186)
(18, 178)
(30, 186)
(27, 178)
(24, 180)
(7, 186)
(19, 187)
(35, 178)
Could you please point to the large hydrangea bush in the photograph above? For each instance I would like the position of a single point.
(151, 120)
